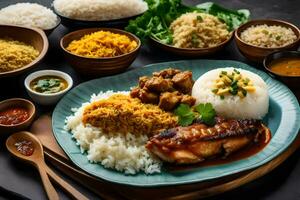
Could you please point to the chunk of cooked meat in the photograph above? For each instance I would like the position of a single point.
(198, 142)
(159, 84)
(123, 114)
(152, 89)
(183, 81)
(169, 100)
(135, 92)
(167, 73)
(142, 81)
(187, 99)
(148, 97)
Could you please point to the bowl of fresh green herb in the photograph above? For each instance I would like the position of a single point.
(187, 30)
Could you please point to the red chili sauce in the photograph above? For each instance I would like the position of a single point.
(13, 116)
(25, 147)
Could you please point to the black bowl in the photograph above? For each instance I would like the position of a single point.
(292, 81)
(80, 24)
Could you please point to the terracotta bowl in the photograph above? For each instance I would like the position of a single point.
(95, 67)
(257, 54)
(190, 52)
(17, 102)
(32, 36)
(293, 81)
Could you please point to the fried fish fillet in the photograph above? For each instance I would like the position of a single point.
(198, 142)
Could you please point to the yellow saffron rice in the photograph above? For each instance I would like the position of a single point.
(121, 113)
(102, 44)
(15, 54)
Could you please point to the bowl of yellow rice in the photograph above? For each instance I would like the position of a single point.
(21, 48)
(100, 51)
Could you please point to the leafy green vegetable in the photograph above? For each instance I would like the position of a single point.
(207, 113)
(156, 20)
(203, 112)
(185, 114)
(232, 18)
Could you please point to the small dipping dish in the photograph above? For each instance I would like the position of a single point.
(284, 65)
(16, 114)
(46, 87)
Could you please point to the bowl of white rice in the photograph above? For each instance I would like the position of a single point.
(31, 15)
(254, 105)
(258, 38)
(103, 13)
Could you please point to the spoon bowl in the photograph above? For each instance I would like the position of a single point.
(37, 154)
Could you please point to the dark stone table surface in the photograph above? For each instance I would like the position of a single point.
(281, 184)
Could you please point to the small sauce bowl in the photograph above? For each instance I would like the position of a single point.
(17, 103)
(47, 99)
(292, 81)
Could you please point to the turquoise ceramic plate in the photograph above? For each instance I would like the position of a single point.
(283, 119)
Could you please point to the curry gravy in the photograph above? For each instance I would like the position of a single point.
(286, 66)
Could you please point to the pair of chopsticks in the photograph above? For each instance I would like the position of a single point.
(97, 186)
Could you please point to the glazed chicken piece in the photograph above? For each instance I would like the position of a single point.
(166, 88)
(167, 73)
(169, 100)
(144, 95)
(198, 142)
(135, 92)
(187, 99)
(148, 97)
(142, 81)
(183, 81)
(159, 84)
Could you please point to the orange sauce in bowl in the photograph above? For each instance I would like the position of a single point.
(286, 66)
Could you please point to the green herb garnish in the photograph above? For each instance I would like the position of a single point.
(187, 115)
(199, 18)
(47, 85)
(195, 40)
(214, 90)
(278, 37)
(207, 113)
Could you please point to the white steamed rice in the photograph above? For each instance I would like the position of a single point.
(123, 152)
(254, 106)
(28, 14)
(99, 10)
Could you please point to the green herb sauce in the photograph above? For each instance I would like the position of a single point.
(48, 84)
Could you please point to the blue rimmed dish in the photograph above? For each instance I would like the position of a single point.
(283, 119)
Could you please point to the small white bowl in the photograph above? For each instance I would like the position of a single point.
(47, 99)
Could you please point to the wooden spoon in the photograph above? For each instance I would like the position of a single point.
(37, 159)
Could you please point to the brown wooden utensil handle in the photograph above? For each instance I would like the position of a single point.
(50, 190)
(65, 186)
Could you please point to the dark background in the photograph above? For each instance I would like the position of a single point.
(282, 183)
